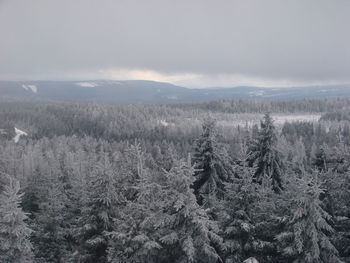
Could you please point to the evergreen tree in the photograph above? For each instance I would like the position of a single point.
(165, 223)
(321, 159)
(337, 203)
(98, 213)
(307, 235)
(129, 240)
(48, 238)
(298, 161)
(212, 165)
(247, 213)
(236, 218)
(265, 156)
(49, 204)
(188, 235)
(15, 246)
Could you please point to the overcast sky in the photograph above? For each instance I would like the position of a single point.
(194, 43)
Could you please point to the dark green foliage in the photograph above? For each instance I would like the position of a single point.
(48, 224)
(239, 204)
(248, 217)
(265, 157)
(212, 165)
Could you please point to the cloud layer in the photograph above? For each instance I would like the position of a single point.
(196, 42)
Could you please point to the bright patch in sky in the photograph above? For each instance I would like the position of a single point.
(146, 74)
(197, 80)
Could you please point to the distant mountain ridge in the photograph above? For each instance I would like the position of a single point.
(142, 91)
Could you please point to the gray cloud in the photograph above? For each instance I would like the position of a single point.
(294, 40)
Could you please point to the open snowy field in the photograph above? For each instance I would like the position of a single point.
(279, 119)
(243, 119)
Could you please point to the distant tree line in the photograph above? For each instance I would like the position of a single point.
(258, 106)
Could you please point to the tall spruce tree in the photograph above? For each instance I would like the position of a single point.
(15, 246)
(48, 237)
(188, 235)
(98, 213)
(265, 156)
(129, 240)
(236, 216)
(321, 158)
(212, 165)
(306, 238)
(247, 217)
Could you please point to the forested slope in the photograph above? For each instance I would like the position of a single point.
(175, 183)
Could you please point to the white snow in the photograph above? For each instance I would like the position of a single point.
(257, 93)
(251, 260)
(164, 123)
(87, 84)
(280, 119)
(245, 226)
(172, 97)
(31, 88)
(250, 119)
(19, 133)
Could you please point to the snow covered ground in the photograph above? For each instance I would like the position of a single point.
(19, 133)
(257, 93)
(227, 120)
(165, 123)
(87, 84)
(279, 119)
(31, 88)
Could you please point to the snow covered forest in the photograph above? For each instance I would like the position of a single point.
(222, 181)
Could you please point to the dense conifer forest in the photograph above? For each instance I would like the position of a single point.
(221, 181)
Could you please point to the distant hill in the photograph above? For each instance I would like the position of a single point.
(141, 91)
